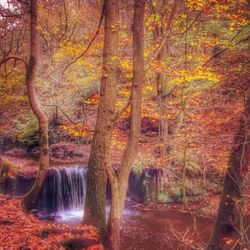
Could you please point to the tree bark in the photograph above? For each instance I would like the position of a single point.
(101, 148)
(119, 182)
(99, 162)
(131, 149)
(30, 199)
(113, 227)
(228, 215)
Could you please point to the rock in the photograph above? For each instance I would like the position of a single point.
(145, 185)
(77, 243)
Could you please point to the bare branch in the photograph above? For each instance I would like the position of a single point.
(90, 43)
(15, 58)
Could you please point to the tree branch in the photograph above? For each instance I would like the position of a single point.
(90, 43)
(64, 113)
(15, 58)
(225, 49)
(124, 106)
(164, 40)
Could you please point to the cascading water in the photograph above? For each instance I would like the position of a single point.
(63, 194)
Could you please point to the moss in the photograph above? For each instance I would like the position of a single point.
(163, 197)
(139, 167)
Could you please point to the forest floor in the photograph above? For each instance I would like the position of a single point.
(22, 231)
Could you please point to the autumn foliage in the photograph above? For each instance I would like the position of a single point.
(20, 230)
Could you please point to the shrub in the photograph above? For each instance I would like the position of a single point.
(26, 131)
(139, 167)
(163, 197)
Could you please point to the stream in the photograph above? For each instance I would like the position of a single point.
(62, 201)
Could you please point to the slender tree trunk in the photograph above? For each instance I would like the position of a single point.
(163, 90)
(101, 148)
(135, 123)
(30, 199)
(113, 227)
(84, 114)
(228, 215)
(55, 108)
(119, 183)
(163, 124)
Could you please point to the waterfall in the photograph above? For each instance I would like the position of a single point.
(64, 191)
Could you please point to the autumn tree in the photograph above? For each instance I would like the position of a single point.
(94, 211)
(100, 159)
(162, 28)
(119, 180)
(30, 199)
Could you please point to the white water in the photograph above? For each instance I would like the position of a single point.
(64, 193)
(70, 216)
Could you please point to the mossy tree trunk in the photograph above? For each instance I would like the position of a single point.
(228, 216)
(95, 204)
(30, 199)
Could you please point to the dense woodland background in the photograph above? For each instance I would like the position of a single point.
(137, 86)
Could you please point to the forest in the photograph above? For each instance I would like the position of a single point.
(124, 125)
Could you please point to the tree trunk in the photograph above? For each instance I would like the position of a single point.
(135, 122)
(84, 114)
(163, 124)
(113, 228)
(30, 199)
(119, 184)
(228, 215)
(101, 148)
